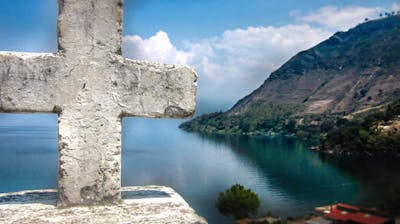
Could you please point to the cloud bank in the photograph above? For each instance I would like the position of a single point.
(236, 62)
(340, 19)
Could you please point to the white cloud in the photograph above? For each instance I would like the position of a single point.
(156, 48)
(395, 7)
(233, 64)
(336, 18)
(240, 60)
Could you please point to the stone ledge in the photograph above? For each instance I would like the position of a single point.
(142, 204)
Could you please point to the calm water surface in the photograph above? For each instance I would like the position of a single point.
(289, 179)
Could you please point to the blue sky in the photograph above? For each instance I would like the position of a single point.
(233, 44)
(196, 19)
(28, 25)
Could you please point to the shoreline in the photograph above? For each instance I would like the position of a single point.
(315, 144)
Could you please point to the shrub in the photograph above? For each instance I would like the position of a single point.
(238, 201)
(365, 135)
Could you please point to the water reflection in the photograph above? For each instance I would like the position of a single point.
(289, 179)
(28, 151)
(379, 178)
(300, 178)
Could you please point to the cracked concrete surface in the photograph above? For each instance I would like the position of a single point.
(91, 86)
(147, 204)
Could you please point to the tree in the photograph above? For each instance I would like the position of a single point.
(327, 126)
(291, 126)
(244, 125)
(238, 201)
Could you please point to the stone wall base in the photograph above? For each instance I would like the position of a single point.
(142, 204)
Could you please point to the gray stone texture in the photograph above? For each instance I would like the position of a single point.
(91, 87)
(147, 204)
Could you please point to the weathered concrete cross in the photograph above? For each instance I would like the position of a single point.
(91, 86)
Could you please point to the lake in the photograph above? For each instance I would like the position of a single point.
(289, 179)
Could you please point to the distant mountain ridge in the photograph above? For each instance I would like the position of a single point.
(350, 72)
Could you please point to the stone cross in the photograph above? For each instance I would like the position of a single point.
(91, 87)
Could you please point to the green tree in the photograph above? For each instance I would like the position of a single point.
(291, 126)
(327, 126)
(244, 126)
(238, 201)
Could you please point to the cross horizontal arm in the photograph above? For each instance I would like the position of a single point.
(28, 82)
(148, 89)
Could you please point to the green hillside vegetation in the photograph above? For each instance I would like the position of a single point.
(378, 133)
(270, 119)
(258, 119)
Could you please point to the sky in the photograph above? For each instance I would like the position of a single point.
(233, 44)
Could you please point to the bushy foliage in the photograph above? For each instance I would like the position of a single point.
(392, 111)
(366, 136)
(266, 222)
(266, 119)
(238, 201)
(257, 118)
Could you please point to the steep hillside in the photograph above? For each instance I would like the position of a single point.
(349, 72)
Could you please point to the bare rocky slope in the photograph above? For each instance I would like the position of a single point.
(352, 71)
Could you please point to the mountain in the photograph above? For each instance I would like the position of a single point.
(348, 74)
